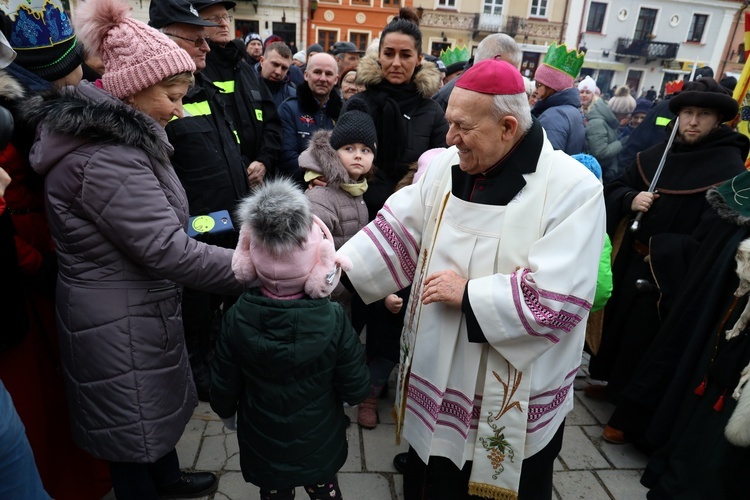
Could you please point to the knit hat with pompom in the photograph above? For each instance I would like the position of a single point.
(135, 55)
(284, 246)
(622, 102)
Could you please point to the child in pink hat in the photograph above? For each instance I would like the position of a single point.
(287, 358)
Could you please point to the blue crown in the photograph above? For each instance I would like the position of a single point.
(33, 29)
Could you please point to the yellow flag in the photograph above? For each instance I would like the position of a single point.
(742, 90)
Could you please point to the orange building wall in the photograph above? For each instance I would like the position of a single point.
(345, 19)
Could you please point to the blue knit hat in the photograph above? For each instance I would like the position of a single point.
(589, 162)
(642, 105)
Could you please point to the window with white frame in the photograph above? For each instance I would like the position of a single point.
(538, 8)
(493, 7)
(597, 13)
(697, 28)
(447, 3)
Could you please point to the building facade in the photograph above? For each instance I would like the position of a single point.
(356, 21)
(641, 45)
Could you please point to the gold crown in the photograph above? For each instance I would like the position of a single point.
(567, 61)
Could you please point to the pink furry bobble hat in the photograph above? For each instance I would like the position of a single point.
(135, 55)
(284, 245)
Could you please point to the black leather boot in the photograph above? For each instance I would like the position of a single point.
(190, 485)
(399, 462)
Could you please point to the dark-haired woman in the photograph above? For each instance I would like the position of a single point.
(397, 92)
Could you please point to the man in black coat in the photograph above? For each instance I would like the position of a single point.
(248, 102)
(705, 153)
(210, 165)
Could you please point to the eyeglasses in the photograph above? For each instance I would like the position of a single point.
(197, 42)
(538, 84)
(218, 19)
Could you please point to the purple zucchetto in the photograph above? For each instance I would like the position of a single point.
(494, 77)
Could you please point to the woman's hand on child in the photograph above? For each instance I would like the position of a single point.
(394, 303)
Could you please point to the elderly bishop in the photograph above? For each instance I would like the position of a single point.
(500, 241)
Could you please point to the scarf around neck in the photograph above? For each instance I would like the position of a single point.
(392, 106)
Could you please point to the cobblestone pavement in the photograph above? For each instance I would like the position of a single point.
(588, 468)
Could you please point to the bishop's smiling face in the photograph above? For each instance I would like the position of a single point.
(475, 131)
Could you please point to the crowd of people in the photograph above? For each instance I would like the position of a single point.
(192, 216)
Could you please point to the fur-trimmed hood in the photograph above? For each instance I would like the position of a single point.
(68, 119)
(322, 158)
(426, 76)
(10, 88)
(724, 210)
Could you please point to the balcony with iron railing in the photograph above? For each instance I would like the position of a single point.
(648, 49)
(533, 31)
(490, 22)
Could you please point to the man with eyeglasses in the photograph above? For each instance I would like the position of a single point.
(208, 160)
(249, 102)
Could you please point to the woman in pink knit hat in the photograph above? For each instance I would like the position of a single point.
(118, 216)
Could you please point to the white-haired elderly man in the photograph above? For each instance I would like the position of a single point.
(500, 240)
(495, 46)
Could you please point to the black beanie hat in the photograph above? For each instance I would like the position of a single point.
(355, 126)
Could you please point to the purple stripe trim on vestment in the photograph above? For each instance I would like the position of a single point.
(430, 425)
(554, 391)
(461, 430)
(571, 299)
(545, 316)
(425, 382)
(385, 257)
(408, 264)
(542, 414)
(521, 316)
(409, 237)
(423, 401)
(421, 404)
(460, 395)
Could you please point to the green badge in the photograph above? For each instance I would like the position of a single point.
(259, 115)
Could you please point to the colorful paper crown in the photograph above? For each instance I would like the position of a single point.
(673, 86)
(454, 55)
(562, 59)
(38, 24)
(43, 37)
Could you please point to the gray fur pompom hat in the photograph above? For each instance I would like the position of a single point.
(284, 245)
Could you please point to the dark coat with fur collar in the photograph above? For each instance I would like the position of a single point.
(341, 212)
(424, 127)
(117, 214)
(301, 116)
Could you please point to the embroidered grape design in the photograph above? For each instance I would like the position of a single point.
(496, 458)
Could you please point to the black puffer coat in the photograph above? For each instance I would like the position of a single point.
(286, 367)
(423, 123)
